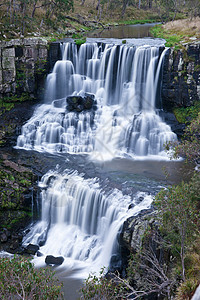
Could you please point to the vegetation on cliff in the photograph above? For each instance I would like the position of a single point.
(20, 280)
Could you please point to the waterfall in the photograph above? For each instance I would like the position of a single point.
(100, 99)
(124, 82)
(80, 221)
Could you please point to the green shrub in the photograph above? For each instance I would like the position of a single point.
(80, 41)
(187, 114)
(20, 280)
(171, 39)
(178, 212)
(100, 287)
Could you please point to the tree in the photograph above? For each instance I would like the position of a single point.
(178, 213)
(190, 145)
(20, 280)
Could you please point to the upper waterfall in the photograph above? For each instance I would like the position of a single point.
(124, 82)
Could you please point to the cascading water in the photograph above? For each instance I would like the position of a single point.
(125, 82)
(80, 220)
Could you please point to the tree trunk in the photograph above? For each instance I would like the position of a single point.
(125, 4)
(14, 6)
(23, 18)
(98, 4)
(10, 11)
(182, 254)
(150, 4)
(34, 9)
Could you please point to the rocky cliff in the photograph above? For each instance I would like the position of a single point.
(23, 64)
(181, 76)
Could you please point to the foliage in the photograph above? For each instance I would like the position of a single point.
(186, 114)
(171, 40)
(178, 212)
(190, 145)
(80, 41)
(8, 103)
(100, 287)
(186, 289)
(21, 15)
(20, 280)
(192, 265)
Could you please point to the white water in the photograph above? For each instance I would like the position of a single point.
(80, 221)
(126, 83)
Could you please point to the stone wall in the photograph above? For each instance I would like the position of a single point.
(23, 65)
(181, 76)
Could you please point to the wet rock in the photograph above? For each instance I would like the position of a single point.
(3, 237)
(32, 249)
(39, 254)
(115, 263)
(52, 260)
(133, 230)
(41, 243)
(14, 244)
(171, 120)
(88, 101)
(18, 237)
(131, 206)
(80, 103)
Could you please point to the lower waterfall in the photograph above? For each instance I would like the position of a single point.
(80, 221)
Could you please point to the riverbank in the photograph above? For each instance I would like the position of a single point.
(77, 18)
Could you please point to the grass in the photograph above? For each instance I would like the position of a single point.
(178, 32)
(171, 39)
(135, 22)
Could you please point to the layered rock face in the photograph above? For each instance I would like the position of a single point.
(181, 76)
(23, 64)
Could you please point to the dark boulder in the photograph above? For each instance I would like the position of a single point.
(131, 206)
(52, 260)
(31, 249)
(39, 254)
(41, 243)
(88, 101)
(81, 103)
